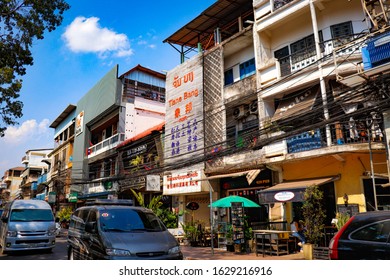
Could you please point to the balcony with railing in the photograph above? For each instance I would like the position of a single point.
(25, 159)
(132, 89)
(241, 88)
(280, 3)
(345, 52)
(105, 145)
(330, 50)
(348, 135)
(345, 135)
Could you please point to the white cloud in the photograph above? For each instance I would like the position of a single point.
(27, 131)
(19, 139)
(85, 35)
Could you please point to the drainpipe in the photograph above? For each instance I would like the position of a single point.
(322, 81)
(372, 168)
(386, 123)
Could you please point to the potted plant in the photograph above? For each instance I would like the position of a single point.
(229, 238)
(248, 235)
(341, 219)
(314, 218)
(191, 234)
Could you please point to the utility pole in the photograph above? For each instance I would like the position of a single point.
(322, 81)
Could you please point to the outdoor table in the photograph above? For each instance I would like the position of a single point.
(271, 241)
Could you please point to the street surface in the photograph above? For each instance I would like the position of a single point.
(59, 253)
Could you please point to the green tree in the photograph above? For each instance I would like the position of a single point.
(314, 214)
(21, 22)
(166, 215)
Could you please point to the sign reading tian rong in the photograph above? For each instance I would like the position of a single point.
(184, 111)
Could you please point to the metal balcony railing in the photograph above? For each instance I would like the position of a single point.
(308, 56)
(280, 3)
(105, 145)
(354, 131)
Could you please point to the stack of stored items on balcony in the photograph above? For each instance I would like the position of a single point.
(377, 51)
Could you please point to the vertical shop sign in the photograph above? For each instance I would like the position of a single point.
(184, 111)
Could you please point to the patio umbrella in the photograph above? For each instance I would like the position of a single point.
(226, 202)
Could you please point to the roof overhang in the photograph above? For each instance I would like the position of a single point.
(221, 14)
(291, 191)
(63, 115)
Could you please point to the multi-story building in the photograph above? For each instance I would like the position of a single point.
(55, 184)
(331, 132)
(35, 165)
(282, 101)
(140, 164)
(10, 184)
(204, 120)
(114, 110)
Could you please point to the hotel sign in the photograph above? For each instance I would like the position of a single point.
(184, 111)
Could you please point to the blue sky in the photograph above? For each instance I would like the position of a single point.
(93, 38)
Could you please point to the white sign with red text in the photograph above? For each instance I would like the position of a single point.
(182, 183)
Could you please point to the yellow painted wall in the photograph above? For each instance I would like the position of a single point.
(352, 171)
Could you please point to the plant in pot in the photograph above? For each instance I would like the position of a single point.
(248, 235)
(314, 218)
(191, 233)
(341, 219)
(229, 238)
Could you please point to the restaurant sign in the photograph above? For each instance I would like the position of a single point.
(284, 196)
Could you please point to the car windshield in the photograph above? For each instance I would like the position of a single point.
(129, 220)
(31, 215)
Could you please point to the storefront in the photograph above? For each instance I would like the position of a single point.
(285, 199)
(187, 186)
(246, 184)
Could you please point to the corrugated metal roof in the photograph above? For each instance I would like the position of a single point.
(222, 14)
(63, 115)
(145, 70)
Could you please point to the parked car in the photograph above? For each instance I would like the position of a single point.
(114, 229)
(365, 236)
(27, 225)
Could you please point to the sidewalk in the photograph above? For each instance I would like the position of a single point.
(205, 253)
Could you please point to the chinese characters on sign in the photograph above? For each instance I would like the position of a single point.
(184, 111)
(187, 134)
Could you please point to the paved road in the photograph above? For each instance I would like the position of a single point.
(59, 253)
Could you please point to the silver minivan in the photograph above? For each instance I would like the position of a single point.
(27, 225)
(115, 230)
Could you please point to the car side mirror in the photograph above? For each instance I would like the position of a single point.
(90, 227)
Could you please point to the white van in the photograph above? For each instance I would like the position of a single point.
(27, 225)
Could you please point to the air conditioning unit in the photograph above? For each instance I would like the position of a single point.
(240, 112)
(253, 107)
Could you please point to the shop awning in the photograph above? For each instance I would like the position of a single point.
(250, 175)
(291, 191)
(297, 103)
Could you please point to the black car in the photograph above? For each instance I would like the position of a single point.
(366, 236)
(115, 230)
